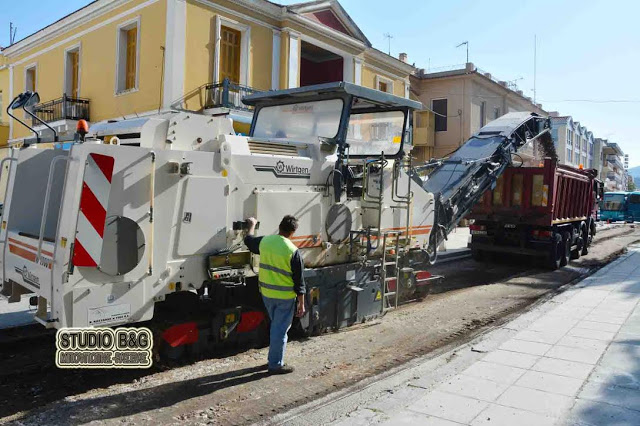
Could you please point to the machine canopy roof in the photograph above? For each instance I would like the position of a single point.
(365, 97)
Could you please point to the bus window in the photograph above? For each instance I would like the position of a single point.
(516, 190)
(634, 198)
(614, 202)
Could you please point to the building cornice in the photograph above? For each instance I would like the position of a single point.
(390, 61)
(63, 25)
(460, 74)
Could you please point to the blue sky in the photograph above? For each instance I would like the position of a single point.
(588, 51)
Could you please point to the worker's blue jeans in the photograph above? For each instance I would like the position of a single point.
(281, 314)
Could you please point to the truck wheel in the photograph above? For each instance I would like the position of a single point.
(577, 236)
(555, 254)
(566, 249)
(586, 240)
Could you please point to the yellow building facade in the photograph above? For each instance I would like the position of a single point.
(127, 58)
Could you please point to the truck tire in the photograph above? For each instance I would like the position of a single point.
(566, 249)
(586, 240)
(556, 252)
(577, 235)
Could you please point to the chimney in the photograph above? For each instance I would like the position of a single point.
(519, 92)
(554, 114)
(539, 106)
(502, 83)
(487, 74)
(469, 67)
(403, 57)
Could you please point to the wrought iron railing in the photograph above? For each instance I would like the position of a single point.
(224, 94)
(227, 94)
(64, 108)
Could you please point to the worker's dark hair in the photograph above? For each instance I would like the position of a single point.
(288, 225)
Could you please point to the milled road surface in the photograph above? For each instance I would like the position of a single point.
(234, 389)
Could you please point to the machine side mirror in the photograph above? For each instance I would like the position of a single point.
(26, 99)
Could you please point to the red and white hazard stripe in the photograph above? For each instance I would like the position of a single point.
(94, 201)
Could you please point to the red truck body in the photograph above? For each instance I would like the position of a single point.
(544, 211)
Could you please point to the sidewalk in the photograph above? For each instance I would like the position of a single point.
(573, 360)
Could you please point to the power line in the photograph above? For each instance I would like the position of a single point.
(598, 101)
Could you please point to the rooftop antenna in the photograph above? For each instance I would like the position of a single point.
(465, 43)
(12, 33)
(388, 37)
(535, 46)
(513, 84)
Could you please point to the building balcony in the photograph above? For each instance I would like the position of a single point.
(61, 109)
(615, 161)
(225, 94)
(614, 177)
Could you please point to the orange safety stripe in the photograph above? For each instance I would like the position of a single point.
(20, 243)
(25, 254)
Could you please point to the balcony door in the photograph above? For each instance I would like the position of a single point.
(230, 51)
(72, 77)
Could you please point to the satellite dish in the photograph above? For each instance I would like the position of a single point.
(25, 99)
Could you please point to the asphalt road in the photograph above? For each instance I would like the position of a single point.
(235, 390)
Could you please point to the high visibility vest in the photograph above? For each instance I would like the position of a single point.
(275, 275)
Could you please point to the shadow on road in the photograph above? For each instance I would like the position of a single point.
(146, 399)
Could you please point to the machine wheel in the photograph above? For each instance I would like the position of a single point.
(556, 252)
(566, 249)
(586, 239)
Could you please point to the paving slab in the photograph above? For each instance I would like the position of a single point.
(574, 360)
(499, 415)
(449, 407)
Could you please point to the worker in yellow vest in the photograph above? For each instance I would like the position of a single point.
(281, 284)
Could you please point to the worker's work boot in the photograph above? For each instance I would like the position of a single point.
(285, 369)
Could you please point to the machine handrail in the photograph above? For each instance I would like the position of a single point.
(46, 202)
(6, 185)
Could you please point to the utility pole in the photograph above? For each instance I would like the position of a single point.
(465, 43)
(389, 37)
(535, 48)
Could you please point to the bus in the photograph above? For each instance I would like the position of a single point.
(615, 207)
(633, 206)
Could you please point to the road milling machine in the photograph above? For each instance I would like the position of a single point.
(144, 219)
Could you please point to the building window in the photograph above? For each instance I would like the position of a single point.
(568, 154)
(483, 113)
(496, 113)
(72, 72)
(384, 84)
(128, 57)
(230, 51)
(439, 107)
(30, 79)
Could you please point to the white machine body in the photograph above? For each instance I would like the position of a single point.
(103, 230)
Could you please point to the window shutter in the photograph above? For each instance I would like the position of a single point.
(74, 73)
(230, 54)
(132, 44)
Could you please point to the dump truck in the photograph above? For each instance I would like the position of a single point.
(548, 212)
(144, 220)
